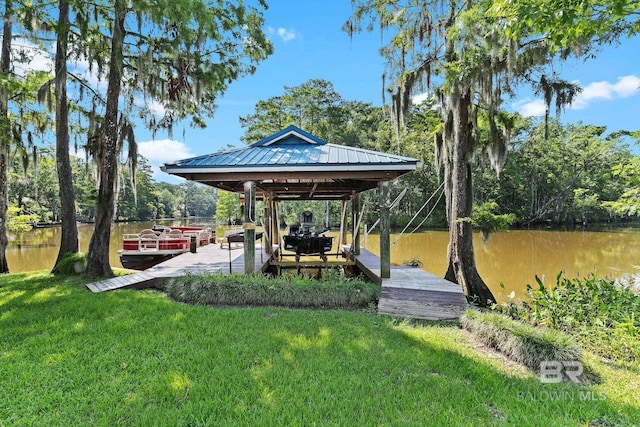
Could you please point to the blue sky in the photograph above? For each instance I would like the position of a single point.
(309, 43)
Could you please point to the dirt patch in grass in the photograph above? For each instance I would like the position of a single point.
(490, 353)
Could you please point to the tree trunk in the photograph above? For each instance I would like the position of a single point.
(458, 141)
(98, 257)
(69, 239)
(4, 202)
(5, 136)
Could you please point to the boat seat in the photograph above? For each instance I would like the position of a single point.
(148, 233)
(174, 234)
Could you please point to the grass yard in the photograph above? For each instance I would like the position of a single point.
(69, 357)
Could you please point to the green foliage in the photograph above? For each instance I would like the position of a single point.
(227, 207)
(628, 204)
(19, 223)
(285, 291)
(290, 211)
(521, 342)
(317, 108)
(629, 201)
(603, 314)
(72, 264)
(483, 219)
(314, 106)
(413, 262)
(566, 177)
(579, 23)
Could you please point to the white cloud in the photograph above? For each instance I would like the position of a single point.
(79, 153)
(157, 153)
(597, 91)
(38, 58)
(164, 150)
(420, 98)
(625, 86)
(285, 34)
(81, 69)
(530, 108)
(157, 109)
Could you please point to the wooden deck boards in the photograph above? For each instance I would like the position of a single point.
(414, 293)
(210, 258)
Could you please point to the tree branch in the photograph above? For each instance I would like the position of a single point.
(84, 84)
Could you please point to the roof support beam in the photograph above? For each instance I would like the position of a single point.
(313, 190)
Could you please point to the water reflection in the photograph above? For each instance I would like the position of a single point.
(512, 257)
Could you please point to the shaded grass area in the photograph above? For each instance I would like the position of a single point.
(331, 291)
(70, 357)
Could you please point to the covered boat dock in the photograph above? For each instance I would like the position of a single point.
(295, 165)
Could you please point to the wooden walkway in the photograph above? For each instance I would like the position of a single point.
(413, 293)
(410, 292)
(210, 258)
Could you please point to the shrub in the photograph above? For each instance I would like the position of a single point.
(520, 342)
(20, 223)
(286, 291)
(603, 314)
(72, 263)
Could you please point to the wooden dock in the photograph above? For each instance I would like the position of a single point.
(410, 292)
(210, 258)
(413, 293)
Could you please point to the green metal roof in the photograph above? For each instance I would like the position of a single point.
(293, 156)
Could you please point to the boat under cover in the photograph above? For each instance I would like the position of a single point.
(303, 240)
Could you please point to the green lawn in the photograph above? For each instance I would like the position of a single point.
(69, 357)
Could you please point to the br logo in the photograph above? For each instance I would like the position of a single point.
(554, 371)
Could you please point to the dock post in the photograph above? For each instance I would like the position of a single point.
(268, 224)
(356, 204)
(385, 225)
(249, 227)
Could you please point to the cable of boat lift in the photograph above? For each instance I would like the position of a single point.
(391, 207)
(357, 228)
(420, 210)
(429, 214)
(340, 242)
(397, 199)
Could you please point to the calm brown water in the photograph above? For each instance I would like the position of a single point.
(38, 249)
(512, 257)
(515, 257)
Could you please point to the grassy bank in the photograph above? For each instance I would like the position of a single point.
(70, 357)
(523, 343)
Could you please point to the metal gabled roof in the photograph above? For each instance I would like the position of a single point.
(292, 149)
(293, 156)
